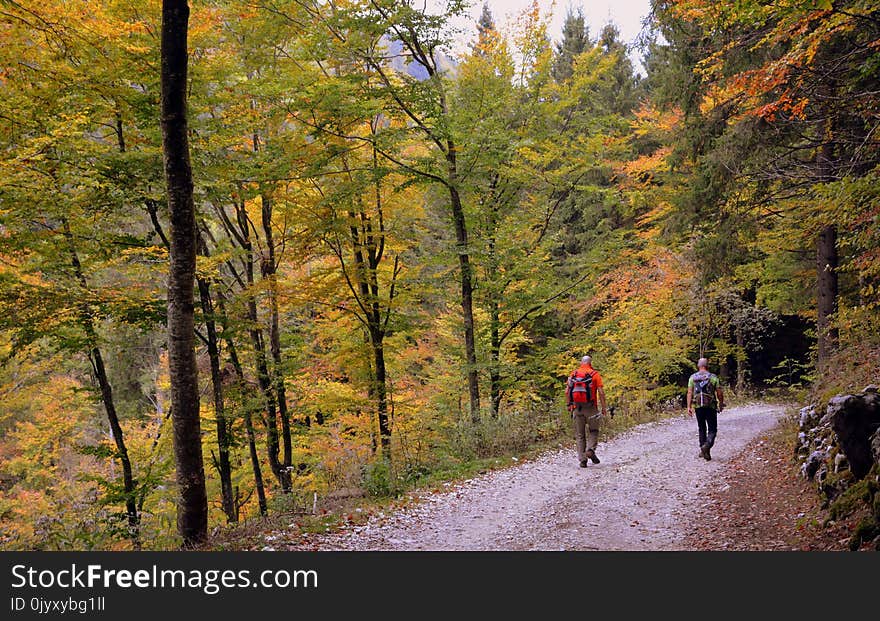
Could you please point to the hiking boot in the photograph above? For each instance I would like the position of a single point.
(592, 455)
(704, 452)
(583, 463)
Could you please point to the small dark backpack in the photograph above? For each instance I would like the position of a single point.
(581, 387)
(704, 391)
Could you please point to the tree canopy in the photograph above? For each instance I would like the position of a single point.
(401, 249)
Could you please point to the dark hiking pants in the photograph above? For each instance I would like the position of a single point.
(707, 421)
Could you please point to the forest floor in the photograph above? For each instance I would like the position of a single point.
(651, 491)
(764, 504)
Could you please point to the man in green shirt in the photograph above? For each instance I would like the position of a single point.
(705, 399)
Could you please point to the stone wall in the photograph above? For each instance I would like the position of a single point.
(839, 449)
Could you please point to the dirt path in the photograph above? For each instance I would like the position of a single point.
(640, 497)
(768, 505)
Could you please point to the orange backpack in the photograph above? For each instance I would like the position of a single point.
(581, 386)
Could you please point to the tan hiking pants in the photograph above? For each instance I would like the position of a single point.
(586, 418)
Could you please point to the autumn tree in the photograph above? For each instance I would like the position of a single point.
(391, 237)
(487, 32)
(67, 166)
(365, 35)
(516, 183)
(192, 515)
(776, 129)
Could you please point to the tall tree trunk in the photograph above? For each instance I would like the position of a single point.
(224, 467)
(255, 463)
(424, 56)
(265, 382)
(367, 257)
(248, 419)
(375, 252)
(192, 506)
(467, 284)
(371, 390)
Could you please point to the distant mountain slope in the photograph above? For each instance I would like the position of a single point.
(401, 61)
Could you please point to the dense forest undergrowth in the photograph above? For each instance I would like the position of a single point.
(405, 244)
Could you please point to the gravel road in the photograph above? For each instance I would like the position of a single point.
(639, 498)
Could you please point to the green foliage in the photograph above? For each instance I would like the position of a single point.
(643, 220)
(575, 39)
(513, 432)
(380, 480)
(867, 529)
(855, 496)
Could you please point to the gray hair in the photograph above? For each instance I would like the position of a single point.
(703, 363)
(586, 360)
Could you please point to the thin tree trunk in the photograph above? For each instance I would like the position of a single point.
(375, 252)
(495, 369)
(223, 425)
(464, 265)
(100, 374)
(281, 469)
(741, 360)
(375, 337)
(263, 377)
(371, 391)
(424, 56)
(224, 467)
(269, 396)
(364, 284)
(494, 319)
(128, 484)
(827, 289)
(826, 265)
(467, 287)
(248, 420)
(192, 506)
(255, 463)
(268, 270)
(382, 396)
(367, 257)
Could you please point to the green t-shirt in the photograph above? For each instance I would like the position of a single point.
(712, 378)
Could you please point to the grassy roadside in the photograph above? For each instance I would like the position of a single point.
(334, 513)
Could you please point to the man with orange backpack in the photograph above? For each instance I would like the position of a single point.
(585, 396)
